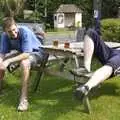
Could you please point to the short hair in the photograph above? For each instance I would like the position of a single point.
(7, 22)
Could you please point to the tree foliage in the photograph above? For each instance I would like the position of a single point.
(110, 8)
(12, 7)
(44, 9)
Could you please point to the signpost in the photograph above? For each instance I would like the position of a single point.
(97, 14)
(118, 12)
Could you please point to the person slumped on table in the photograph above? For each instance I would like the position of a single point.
(23, 40)
(109, 57)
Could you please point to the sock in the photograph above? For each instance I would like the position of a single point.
(84, 89)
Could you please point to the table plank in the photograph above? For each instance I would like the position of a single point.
(75, 48)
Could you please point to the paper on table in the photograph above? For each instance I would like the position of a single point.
(76, 45)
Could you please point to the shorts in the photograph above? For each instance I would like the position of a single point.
(105, 54)
(37, 56)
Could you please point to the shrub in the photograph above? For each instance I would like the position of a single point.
(110, 29)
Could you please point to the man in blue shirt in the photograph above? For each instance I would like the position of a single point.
(23, 40)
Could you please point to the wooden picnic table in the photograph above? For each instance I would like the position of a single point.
(59, 54)
(74, 51)
(74, 48)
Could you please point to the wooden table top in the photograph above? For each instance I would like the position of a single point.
(74, 48)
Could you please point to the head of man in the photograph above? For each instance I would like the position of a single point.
(10, 27)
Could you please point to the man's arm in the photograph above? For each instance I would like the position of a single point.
(19, 57)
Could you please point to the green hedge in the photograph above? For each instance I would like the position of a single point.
(111, 29)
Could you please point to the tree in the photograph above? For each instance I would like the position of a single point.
(12, 7)
(110, 8)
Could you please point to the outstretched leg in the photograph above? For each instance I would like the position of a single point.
(99, 76)
(93, 44)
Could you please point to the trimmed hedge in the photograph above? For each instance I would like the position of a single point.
(110, 29)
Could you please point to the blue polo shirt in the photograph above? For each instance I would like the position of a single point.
(26, 41)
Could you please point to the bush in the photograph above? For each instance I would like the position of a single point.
(110, 29)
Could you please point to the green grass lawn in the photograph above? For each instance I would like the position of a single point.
(61, 31)
(54, 100)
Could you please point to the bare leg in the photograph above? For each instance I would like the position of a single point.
(88, 52)
(25, 78)
(99, 76)
(24, 91)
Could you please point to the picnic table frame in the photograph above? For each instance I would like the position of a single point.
(75, 53)
(64, 56)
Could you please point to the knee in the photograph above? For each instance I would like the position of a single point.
(1, 67)
(1, 60)
(92, 34)
(25, 64)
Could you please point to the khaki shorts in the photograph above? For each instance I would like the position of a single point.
(35, 57)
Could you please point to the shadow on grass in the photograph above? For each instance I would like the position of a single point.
(9, 95)
(54, 98)
(108, 89)
(57, 97)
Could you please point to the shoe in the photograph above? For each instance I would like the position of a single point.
(81, 92)
(23, 105)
